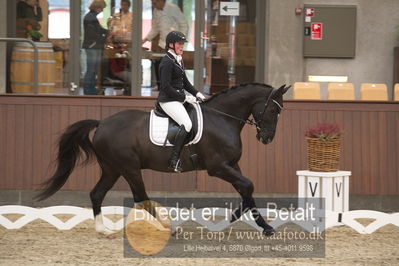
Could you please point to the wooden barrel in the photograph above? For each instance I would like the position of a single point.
(22, 79)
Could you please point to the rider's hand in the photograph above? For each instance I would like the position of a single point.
(200, 96)
(190, 99)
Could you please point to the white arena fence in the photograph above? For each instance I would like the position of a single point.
(80, 215)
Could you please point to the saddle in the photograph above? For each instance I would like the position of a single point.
(163, 129)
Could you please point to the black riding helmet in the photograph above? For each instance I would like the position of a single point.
(173, 37)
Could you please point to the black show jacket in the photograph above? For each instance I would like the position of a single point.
(94, 33)
(173, 81)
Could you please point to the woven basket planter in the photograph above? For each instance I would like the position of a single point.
(323, 156)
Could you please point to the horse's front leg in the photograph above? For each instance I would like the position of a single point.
(245, 187)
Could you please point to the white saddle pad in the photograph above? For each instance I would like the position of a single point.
(159, 128)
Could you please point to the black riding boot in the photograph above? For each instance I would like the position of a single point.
(180, 138)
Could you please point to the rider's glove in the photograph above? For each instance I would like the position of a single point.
(200, 97)
(190, 99)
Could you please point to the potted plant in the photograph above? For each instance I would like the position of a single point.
(323, 146)
(33, 34)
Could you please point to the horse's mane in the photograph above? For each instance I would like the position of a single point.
(226, 91)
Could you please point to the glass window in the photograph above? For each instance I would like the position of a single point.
(58, 19)
(47, 23)
(230, 53)
(106, 44)
(159, 18)
(59, 35)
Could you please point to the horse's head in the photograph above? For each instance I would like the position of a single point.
(266, 113)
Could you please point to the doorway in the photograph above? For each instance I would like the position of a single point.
(229, 44)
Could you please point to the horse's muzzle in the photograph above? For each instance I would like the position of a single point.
(264, 140)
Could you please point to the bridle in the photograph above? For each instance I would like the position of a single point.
(257, 123)
(248, 121)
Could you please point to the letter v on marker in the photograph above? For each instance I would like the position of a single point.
(338, 190)
(311, 190)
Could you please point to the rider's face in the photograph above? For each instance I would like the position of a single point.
(179, 48)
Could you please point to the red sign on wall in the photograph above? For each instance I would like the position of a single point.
(316, 31)
(309, 12)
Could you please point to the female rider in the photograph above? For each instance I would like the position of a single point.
(173, 83)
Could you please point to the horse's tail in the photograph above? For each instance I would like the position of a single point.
(75, 137)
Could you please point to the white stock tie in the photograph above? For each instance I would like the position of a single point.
(179, 59)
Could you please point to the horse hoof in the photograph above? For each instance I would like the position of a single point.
(111, 236)
(176, 169)
(105, 232)
(269, 232)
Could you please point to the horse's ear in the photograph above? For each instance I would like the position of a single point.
(283, 89)
(286, 89)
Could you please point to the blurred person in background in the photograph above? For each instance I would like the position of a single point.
(120, 24)
(119, 41)
(93, 42)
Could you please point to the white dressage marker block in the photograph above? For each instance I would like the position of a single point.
(332, 186)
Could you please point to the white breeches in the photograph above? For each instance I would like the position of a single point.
(178, 113)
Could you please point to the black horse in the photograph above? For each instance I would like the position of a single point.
(122, 146)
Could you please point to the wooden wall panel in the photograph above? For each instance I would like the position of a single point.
(28, 147)
(3, 141)
(10, 147)
(31, 125)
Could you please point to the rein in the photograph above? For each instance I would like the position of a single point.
(250, 122)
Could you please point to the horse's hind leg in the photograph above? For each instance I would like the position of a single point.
(135, 181)
(106, 182)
